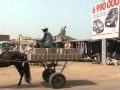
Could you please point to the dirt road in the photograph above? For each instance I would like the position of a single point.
(79, 75)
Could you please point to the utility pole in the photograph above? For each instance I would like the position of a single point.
(19, 42)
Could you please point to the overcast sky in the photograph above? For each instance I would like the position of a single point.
(29, 16)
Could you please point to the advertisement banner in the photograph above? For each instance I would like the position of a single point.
(105, 19)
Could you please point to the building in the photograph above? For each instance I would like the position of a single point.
(25, 40)
(60, 40)
(4, 37)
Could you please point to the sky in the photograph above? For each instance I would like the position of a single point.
(27, 17)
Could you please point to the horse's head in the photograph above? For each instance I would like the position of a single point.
(3, 53)
(0, 56)
(3, 50)
(39, 44)
(0, 51)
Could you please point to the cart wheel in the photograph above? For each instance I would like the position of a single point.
(57, 80)
(114, 23)
(47, 73)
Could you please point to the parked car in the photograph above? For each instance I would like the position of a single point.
(112, 17)
(98, 26)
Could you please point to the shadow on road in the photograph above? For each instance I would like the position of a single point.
(69, 84)
(73, 83)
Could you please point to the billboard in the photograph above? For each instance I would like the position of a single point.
(105, 19)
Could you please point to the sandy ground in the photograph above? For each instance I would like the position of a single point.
(77, 72)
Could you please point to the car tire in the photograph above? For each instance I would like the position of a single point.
(97, 31)
(114, 23)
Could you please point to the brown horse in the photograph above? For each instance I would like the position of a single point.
(22, 67)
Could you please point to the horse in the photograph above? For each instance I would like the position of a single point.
(8, 58)
(39, 44)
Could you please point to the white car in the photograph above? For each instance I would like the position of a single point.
(98, 26)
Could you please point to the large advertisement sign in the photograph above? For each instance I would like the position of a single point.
(105, 19)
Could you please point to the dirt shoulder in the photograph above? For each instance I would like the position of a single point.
(73, 71)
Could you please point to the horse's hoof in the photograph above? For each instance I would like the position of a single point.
(28, 81)
(18, 86)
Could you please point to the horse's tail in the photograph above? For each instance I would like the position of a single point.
(27, 71)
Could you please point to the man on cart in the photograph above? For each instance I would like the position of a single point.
(47, 39)
(47, 42)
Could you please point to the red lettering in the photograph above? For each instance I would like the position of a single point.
(97, 8)
(93, 10)
(101, 7)
(109, 4)
(104, 5)
(112, 3)
(116, 2)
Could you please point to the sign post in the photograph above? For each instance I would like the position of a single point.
(105, 22)
(105, 19)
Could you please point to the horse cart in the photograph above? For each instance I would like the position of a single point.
(49, 59)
